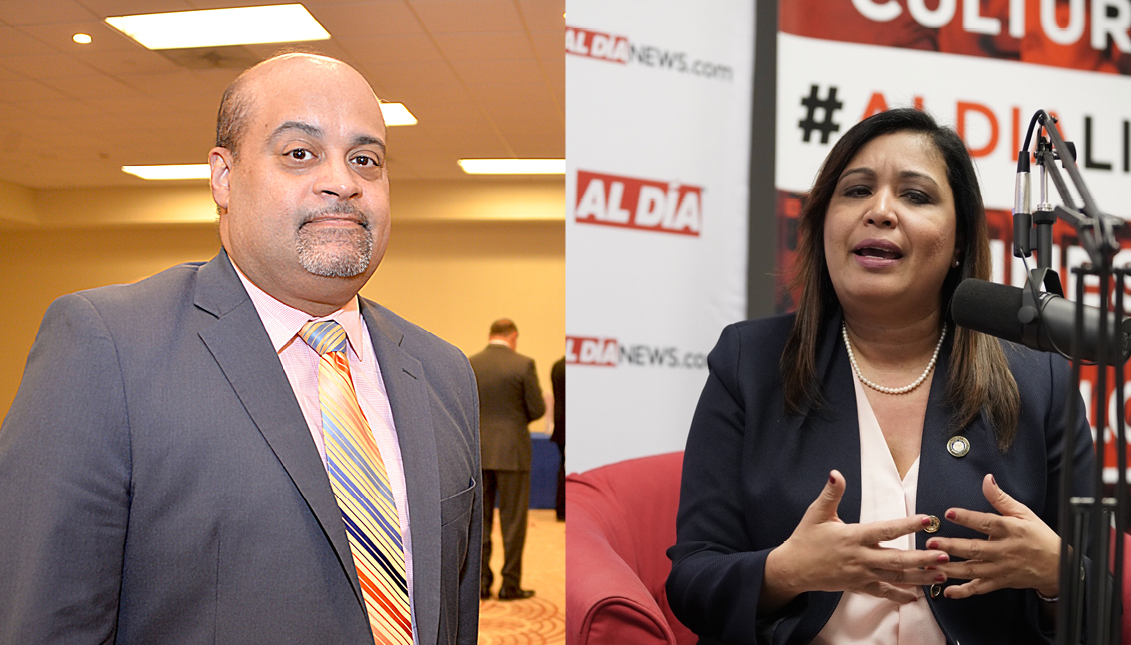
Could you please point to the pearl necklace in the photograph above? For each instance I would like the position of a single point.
(891, 390)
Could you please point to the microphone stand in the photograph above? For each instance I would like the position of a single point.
(1084, 522)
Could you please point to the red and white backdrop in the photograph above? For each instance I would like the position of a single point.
(982, 67)
(658, 96)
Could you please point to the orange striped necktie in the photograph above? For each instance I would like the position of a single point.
(358, 477)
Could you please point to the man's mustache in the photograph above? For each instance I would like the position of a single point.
(348, 211)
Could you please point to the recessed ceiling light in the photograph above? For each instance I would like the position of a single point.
(397, 114)
(221, 27)
(513, 166)
(82, 39)
(182, 171)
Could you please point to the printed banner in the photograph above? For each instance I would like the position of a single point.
(658, 99)
(984, 68)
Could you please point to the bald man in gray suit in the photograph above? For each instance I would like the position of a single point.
(163, 477)
(509, 399)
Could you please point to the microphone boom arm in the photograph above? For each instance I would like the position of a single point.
(1095, 229)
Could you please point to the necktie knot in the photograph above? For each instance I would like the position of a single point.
(324, 336)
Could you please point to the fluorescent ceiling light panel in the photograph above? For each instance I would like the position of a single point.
(282, 23)
(397, 114)
(183, 171)
(513, 166)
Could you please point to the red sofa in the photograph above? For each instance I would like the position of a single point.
(621, 520)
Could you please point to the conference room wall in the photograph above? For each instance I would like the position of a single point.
(453, 276)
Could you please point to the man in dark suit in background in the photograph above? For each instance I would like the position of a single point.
(509, 399)
(170, 469)
(558, 383)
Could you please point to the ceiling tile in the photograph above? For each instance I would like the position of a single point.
(366, 18)
(216, 78)
(105, 8)
(550, 47)
(167, 83)
(19, 91)
(485, 45)
(487, 92)
(223, 4)
(104, 38)
(17, 14)
(332, 48)
(90, 86)
(15, 41)
(425, 101)
(517, 70)
(40, 66)
(418, 73)
(392, 48)
(466, 15)
(120, 104)
(503, 92)
(543, 14)
(139, 61)
(536, 145)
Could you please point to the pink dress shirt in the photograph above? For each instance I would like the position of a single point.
(860, 618)
(300, 363)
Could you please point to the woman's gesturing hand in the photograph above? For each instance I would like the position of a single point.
(1020, 552)
(825, 554)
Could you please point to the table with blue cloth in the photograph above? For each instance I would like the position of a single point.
(544, 463)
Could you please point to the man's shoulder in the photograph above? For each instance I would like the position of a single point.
(500, 356)
(408, 335)
(171, 287)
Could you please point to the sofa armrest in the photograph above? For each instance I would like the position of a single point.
(606, 602)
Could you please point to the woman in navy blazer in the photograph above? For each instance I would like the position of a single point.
(770, 540)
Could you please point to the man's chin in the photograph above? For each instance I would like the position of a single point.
(336, 269)
(340, 257)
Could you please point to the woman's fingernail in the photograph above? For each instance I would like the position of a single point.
(940, 578)
(932, 544)
(993, 481)
(926, 521)
(943, 558)
(832, 479)
(950, 515)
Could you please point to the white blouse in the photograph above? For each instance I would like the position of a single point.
(861, 618)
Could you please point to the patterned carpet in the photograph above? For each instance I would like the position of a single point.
(539, 620)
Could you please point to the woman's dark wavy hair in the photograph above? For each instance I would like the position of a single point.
(979, 377)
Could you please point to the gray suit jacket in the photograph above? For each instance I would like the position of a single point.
(509, 398)
(158, 483)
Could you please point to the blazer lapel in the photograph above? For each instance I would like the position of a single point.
(405, 383)
(243, 350)
(836, 422)
(832, 434)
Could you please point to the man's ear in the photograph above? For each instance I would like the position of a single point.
(220, 162)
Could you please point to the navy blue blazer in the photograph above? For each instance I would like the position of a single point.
(750, 471)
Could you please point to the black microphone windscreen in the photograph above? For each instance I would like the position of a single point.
(988, 307)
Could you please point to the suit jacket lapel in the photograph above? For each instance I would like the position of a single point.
(836, 421)
(835, 429)
(405, 383)
(243, 350)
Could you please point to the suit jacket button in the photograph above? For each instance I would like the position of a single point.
(936, 590)
(933, 524)
(958, 446)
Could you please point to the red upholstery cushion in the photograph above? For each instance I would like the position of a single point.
(621, 520)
